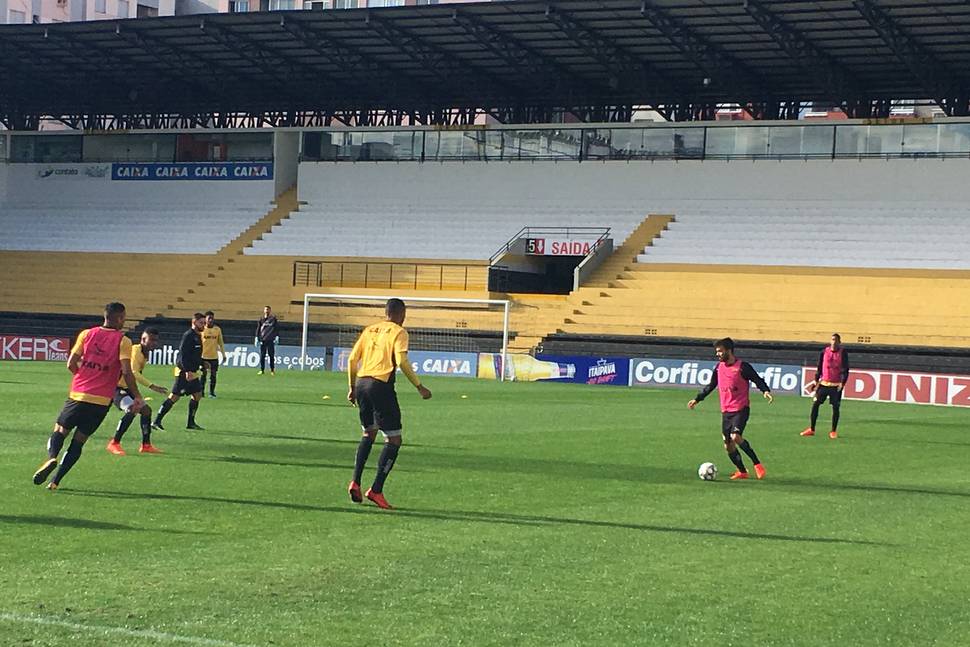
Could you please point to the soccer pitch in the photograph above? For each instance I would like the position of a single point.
(528, 514)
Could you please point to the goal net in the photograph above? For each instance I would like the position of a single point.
(434, 325)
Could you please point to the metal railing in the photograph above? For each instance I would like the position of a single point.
(381, 274)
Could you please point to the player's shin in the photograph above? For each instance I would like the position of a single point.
(54, 444)
(384, 465)
(165, 408)
(735, 457)
(363, 452)
(193, 407)
(746, 448)
(71, 456)
(146, 427)
(123, 425)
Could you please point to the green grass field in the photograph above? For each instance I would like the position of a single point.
(528, 514)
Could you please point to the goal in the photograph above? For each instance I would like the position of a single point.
(434, 324)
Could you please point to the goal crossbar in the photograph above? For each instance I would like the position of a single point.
(310, 296)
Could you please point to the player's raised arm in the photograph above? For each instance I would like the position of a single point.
(748, 373)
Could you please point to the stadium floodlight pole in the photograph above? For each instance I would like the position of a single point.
(505, 303)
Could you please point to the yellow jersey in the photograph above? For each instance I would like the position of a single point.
(212, 342)
(379, 351)
(138, 362)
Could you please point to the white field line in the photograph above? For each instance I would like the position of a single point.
(159, 636)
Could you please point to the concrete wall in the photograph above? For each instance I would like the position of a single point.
(286, 156)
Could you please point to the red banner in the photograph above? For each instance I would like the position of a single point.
(19, 347)
(904, 387)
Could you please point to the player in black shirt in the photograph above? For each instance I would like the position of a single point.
(267, 334)
(187, 368)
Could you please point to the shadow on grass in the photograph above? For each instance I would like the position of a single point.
(14, 382)
(87, 524)
(892, 489)
(241, 460)
(483, 517)
(338, 441)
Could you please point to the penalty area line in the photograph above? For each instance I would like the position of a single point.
(151, 634)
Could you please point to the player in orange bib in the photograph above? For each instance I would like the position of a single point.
(99, 357)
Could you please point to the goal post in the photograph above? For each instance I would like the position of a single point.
(434, 323)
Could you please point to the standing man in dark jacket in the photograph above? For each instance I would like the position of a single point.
(187, 369)
(267, 334)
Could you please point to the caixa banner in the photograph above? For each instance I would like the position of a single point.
(247, 356)
(37, 349)
(905, 387)
(424, 362)
(687, 373)
(190, 171)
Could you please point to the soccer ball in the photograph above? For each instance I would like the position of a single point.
(707, 471)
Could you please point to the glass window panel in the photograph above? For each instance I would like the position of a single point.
(54, 149)
(129, 148)
(817, 140)
(786, 141)
(851, 140)
(954, 138)
(885, 140)
(920, 138)
(720, 142)
(597, 144)
(689, 143)
(751, 141)
(454, 145)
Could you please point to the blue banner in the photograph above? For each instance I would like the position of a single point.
(424, 362)
(193, 171)
(694, 374)
(612, 371)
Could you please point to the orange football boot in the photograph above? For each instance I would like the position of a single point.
(808, 432)
(759, 470)
(739, 476)
(378, 498)
(354, 490)
(833, 434)
(148, 448)
(115, 448)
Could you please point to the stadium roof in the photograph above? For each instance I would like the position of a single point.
(521, 61)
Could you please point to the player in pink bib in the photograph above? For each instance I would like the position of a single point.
(830, 378)
(100, 357)
(732, 379)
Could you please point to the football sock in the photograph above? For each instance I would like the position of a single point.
(193, 407)
(146, 428)
(212, 383)
(165, 408)
(55, 444)
(363, 451)
(70, 457)
(835, 416)
(735, 457)
(123, 425)
(384, 466)
(815, 406)
(746, 448)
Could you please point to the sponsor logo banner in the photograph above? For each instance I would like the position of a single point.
(559, 246)
(37, 349)
(199, 171)
(73, 172)
(247, 356)
(612, 371)
(424, 362)
(902, 386)
(687, 373)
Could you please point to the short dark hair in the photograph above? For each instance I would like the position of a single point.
(113, 309)
(198, 315)
(268, 307)
(210, 313)
(837, 336)
(727, 344)
(394, 307)
(152, 331)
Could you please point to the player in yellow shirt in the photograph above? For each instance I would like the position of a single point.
(380, 350)
(212, 345)
(123, 398)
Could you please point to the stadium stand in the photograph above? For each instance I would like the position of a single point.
(818, 235)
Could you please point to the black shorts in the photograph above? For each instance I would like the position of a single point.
(84, 417)
(378, 406)
(734, 422)
(823, 392)
(183, 386)
(211, 365)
